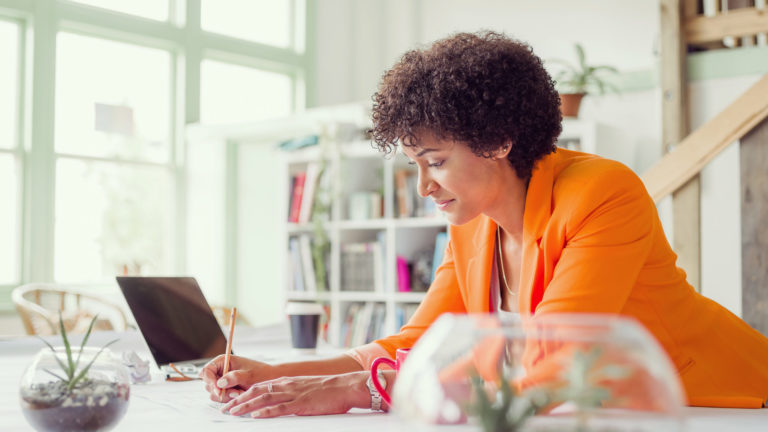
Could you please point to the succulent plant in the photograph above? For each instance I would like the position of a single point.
(509, 410)
(72, 376)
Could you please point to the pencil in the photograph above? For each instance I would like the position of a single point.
(229, 346)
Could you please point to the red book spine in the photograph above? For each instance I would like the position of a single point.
(298, 192)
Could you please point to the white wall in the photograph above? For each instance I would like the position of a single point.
(357, 40)
(721, 197)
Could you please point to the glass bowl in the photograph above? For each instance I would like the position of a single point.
(554, 372)
(96, 402)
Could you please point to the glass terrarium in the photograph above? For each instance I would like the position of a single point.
(557, 372)
(84, 389)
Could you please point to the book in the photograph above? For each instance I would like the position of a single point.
(361, 267)
(403, 275)
(310, 186)
(440, 244)
(298, 273)
(362, 323)
(403, 314)
(298, 143)
(307, 264)
(401, 193)
(296, 196)
(348, 324)
(377, 250)
(291, 186)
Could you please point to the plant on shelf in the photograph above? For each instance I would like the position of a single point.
(321, 244)
(92, 397)
(574, 81)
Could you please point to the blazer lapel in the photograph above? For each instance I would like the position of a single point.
(479, 268)
(538, 210)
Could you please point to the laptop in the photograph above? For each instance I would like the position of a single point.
(175, 320)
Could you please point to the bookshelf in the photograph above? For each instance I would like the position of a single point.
(362, 291)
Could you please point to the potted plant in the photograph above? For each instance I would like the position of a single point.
(575, 81)
(80, 388)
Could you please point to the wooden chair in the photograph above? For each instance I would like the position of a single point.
(38, 306)
(223, 313)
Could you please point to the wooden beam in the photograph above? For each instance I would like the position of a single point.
(690, 8)
(686, 239)
(754, 227)
(739, 22)
(686, 230)
(701, 146)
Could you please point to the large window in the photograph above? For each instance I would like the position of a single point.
(9, 59)
(112, 99)
(265, 21)
(112, 219)
(153, 9)
(114, 185)
(103, 90)
(9, 161)
(232, 93)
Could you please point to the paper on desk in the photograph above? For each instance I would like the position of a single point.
(185, 400)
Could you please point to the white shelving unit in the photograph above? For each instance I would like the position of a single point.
(356, 167)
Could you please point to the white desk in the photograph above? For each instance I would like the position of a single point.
(184, 406)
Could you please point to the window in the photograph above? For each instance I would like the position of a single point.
(112, 216)
(94, 183)
(152, 9)
(231, 93)
(9, 166)
(112, 99)
(9, 42)
(112, 219)
(9, 257)
(263, 21)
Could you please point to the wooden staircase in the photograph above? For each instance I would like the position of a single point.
(702, 145)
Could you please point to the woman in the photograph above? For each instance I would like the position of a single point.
(534, 229)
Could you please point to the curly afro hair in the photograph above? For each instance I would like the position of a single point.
(483, 89)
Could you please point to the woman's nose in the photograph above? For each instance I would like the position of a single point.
(425, 186)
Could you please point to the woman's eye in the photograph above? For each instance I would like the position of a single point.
(411, 163)
(436, 164)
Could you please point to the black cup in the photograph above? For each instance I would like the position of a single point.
(305, 324)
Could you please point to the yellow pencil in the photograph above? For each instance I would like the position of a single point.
(228, 354)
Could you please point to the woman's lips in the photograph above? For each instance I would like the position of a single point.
(442, 204)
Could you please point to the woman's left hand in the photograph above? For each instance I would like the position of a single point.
(306, 395)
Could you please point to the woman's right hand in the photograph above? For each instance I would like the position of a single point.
(243, 373)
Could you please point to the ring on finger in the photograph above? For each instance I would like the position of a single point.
(269, 387)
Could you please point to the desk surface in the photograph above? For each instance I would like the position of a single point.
(169, 406)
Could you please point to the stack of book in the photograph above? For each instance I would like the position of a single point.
(362, 266)
(302, 276)
(304, 186)
(363, 323)
(403, 313)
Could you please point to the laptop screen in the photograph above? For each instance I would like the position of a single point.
(174, 318)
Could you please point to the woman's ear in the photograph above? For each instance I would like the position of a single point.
(503, 151)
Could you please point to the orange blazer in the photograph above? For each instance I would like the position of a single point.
(593, 242)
